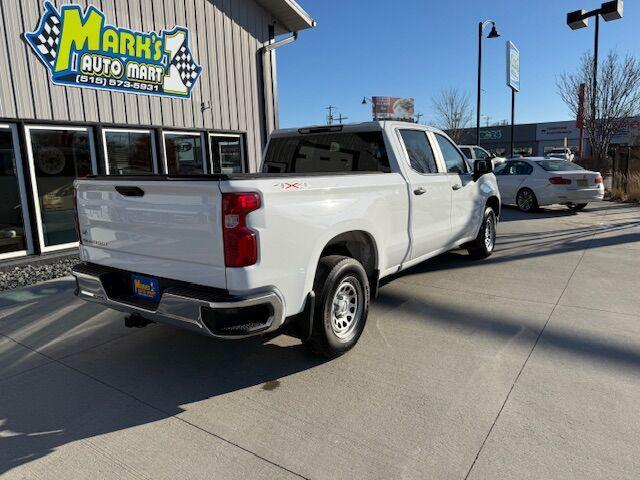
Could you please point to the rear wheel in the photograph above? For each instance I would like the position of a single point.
(483, 245)
(526, 200)
(342, 305)
(576, 207)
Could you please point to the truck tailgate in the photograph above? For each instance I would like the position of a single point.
(168, 229)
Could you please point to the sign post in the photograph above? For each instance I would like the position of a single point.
(513, 82)
(580, 119)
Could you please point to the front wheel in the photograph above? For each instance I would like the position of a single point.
(342, 305)
(576, 207)
(526, 200)
(483, 245)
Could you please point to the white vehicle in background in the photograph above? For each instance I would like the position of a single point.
(561, 153)
(532, 182)
(474, 152)
(297, 249)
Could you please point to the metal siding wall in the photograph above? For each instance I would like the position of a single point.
(148, 10)
(13, 29)
(40, 84)
(7, 99)
(225, 38)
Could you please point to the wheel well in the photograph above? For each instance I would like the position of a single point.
(494, 203)
(358, 245)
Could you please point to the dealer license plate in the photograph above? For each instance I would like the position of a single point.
(146, 287)
(583, 183)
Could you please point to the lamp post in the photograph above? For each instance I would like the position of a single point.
(580, 19)
(492, 34)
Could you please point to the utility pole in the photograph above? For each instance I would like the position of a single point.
(418, 117)
(331, 108)
(341, 118)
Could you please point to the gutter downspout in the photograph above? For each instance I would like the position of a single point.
(270, 77)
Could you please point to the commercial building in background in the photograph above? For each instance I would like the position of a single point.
(538, 139)
(183, 87)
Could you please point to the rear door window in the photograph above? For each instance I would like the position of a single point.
(421, 157)
(328, 152)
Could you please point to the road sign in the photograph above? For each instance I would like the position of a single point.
(513, 66)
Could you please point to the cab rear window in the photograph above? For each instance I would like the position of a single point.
(559, 165)
(328, 152)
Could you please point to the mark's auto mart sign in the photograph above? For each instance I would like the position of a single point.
(81, 49)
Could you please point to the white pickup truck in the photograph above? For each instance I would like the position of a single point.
(299, 248)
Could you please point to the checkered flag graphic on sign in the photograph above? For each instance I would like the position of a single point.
(187, 68)
(48, 40)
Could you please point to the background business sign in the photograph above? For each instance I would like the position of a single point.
(81, 50)
(393, 108)
(513, 66)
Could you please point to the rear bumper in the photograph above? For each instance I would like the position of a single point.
(191, 307)
(571, 196)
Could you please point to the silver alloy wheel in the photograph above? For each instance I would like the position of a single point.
(525, 200)
(490, 233)
(346, 309)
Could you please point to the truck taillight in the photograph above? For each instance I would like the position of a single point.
(75, 214)
(599, 180)
(240, 242)
(560, 181)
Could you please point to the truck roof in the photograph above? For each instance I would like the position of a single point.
(350, 127)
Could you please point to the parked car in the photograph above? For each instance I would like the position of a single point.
(299, 248)
(533, 182)
(561, 153)
(474, 152)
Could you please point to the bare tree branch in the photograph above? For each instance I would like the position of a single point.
(453, 112)
(618, 98)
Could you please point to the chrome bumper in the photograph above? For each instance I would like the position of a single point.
(185, 308)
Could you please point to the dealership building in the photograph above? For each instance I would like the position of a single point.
(536, 139)
(113, 87)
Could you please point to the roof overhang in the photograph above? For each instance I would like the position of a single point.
(289, 16)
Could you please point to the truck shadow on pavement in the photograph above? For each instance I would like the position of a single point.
(89, 376)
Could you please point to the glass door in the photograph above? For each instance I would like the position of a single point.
(15, 238)
(57, 156)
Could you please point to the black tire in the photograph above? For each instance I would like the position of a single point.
(334, 334)
(526, 200)
(577, 207)
(485, 242)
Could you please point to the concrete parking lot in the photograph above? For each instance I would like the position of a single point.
(526, 365)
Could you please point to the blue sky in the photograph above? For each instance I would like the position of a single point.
(416, 48)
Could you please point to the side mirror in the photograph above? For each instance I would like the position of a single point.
(482, 167)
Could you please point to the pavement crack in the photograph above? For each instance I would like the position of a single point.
(526, 361)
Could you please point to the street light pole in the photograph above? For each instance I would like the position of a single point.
(493, 34)
(595, 71)
(611, 10)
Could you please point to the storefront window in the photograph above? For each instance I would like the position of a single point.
(129, 152)
(12, 231)
(184, 153)
(58, 156)
(227, 153)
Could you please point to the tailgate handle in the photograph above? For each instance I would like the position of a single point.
(130, 191)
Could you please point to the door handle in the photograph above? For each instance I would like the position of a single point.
(457, 186)
(420, 191)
